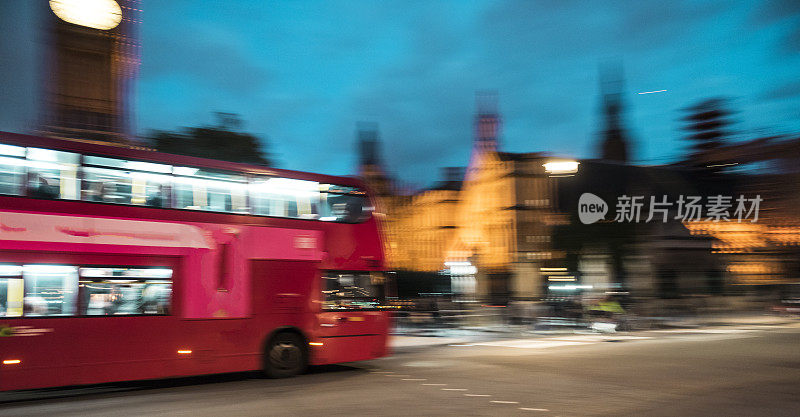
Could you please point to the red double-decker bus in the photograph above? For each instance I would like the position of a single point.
(118, 263)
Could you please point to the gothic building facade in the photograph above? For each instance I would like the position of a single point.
(490, 223)
(508, 227)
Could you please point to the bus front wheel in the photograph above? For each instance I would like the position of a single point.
(285, 356)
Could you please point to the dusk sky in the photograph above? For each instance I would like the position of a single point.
(302, 73)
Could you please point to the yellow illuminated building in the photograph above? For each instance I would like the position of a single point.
(495, 219)
(752, 250)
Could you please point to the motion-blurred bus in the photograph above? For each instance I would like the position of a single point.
(121, 263)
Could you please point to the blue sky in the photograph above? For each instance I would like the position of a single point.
(303, 73)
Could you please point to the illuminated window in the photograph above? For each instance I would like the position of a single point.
(285, 197)
(50, 290)
(12, 290)
(352, 290)
(12, 175)
(210, 191)
(131, 182)
(37, 290)
(52, 174)
(12, 169)
(110, 291)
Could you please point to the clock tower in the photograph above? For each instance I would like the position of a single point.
(91, 60)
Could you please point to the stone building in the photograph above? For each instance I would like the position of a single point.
(490, 227)
(508, 228)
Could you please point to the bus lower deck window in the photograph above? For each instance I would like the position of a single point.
(125, 291)
(50, 290)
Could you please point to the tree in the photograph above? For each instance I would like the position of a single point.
(223, 141)
(707, 123)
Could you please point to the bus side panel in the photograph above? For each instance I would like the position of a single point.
(349, 336)
(282, 295)
(57, 351)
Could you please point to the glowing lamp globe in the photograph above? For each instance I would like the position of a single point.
(97, 14)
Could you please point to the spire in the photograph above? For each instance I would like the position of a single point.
(487, 121)
(615, 144)
(368, 143)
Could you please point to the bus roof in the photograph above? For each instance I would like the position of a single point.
(147, 154)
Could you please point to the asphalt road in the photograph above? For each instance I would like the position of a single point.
(730, 371)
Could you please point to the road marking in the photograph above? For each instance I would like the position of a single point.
(469, 344)
(505, 402)
(398, 376)
(436, 385)
(533, 409)
(454, 389)
(415, 379)
(706, 331)
(477, 395)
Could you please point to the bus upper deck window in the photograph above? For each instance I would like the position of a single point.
(285, 197)
(110, 180)
(52, 174)
(206, 190)
(12, 169)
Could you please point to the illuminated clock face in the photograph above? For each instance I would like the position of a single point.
(97, 14)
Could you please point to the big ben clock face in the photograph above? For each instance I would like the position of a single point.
(97, 14)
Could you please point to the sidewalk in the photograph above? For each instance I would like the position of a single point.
(420, 338)
(436, 337)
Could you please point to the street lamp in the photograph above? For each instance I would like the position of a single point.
(561, 167)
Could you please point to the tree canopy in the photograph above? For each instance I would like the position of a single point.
(223, 141)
